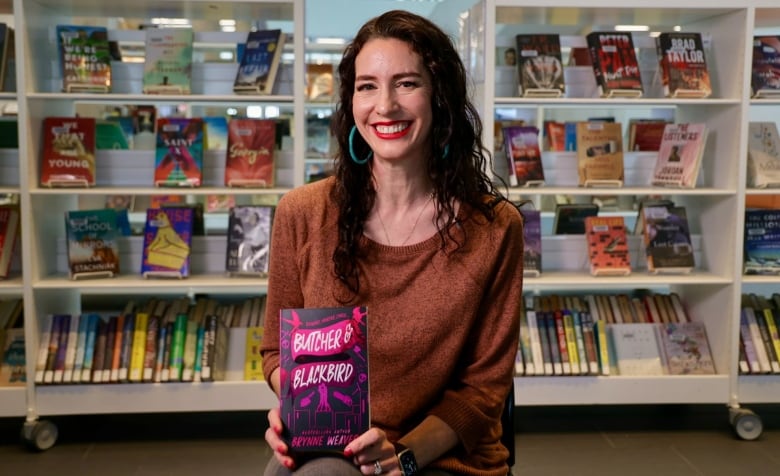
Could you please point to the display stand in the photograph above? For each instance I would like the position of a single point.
(55, 183)
(532, 184)
(163, 274)
(662, 271)
(603, 183)
(623, 93)
(611, 272)
(541, 93)
(767, 94)
(690, 94)
(164, 89)
(170, 184)
(249, 183)
(87, 88)
(531, 273)
(92, 274)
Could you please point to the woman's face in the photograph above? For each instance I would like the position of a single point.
(392, 100)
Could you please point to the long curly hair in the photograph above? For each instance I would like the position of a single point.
(457, 175)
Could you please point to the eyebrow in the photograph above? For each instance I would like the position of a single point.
(396, 77)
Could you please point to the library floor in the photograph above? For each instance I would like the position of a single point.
(581, 441)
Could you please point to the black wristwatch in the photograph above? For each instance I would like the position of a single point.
(406, 459)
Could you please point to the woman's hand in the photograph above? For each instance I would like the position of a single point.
(372, 453)
(273, 436)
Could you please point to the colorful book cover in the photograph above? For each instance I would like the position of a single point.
(9, 236)
(521, 145)
(765, 79)
(167, 242)
(667, 239)
(92, 243)
(12, 359)
(607, 245)
(253, 358)
(179, 152)
(540, 68)
(680, 155)
(250, 154)
(260, 62)
(763, 155)
(249, 237)
(215, 132)
(645, 135)
(68, 157)
(599, 153)
(85, 58)
(683, 65)
(762, 241)
(615, 63)
(532, 241)
(324, 374)
(168, 61)
(319, 82)
(687, 349)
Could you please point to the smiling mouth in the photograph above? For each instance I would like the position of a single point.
(391, 128)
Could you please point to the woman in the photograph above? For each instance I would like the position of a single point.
(410, 226)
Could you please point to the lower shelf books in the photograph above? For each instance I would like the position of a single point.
(759, 337)
(12, 360)
(9, 234)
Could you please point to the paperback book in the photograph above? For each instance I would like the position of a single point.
(763, 155)
(260, 62)
(682, 65)
(167, 242)
(570, 218)
(687, 349)
(540, 68)
(680, 155)
(637, 350)
(599, 154)
(92, 243)
(762, 241)
(615, 64)
(645, 135)
(85, 58)
(521, 145)
(12, 359)
(607, 246)
(179, 152)
(532, 242)
(9, 236)
(667, 239)
(68, 158)
(765, 78)
(319, 82)
(249, 236)
(7, 56)
(324, 374)
(168, 61)
(250, 154)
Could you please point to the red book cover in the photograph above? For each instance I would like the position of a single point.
(521, 145)
(646, 135)
(324, 375)
(68, 157)
(614, 62)
(607, 245)
(250, 154)
(683, 66)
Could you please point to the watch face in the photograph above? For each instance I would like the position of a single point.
(408, 463)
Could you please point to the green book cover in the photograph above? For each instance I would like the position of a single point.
(168, 63)
(177, 347)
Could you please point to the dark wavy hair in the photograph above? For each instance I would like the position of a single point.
(460, 175)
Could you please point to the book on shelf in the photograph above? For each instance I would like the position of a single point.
(109, 135)
(253, 358)
(667, 240)
(687, 348)
(99, 352)
(85, 58)
(645, 134)
(70, 349)
(324, 396)
(762, 242)
(636, 348)
(260, 62)
(68, 155)
(607, 246)
(93, 250)
(683, 65)
(168, 61)
(319, 82)
(524, 157)
(9, 237)
(615, 64)
(179, 152)
(599, 154)
(763, 155)
(60, 325)
(7, 54)
(248, 240)
(532, 242)
(250, 153)
(167, 242)
(215, 349)
(85, 321)
(570, 217)
(540, 68)
(765, 72)
(762, 353)
(215, 133)
(13, 372)
(11, 311)
(680, 155)
(555, 136)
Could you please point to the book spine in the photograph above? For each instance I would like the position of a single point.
(89, 347)
(766, 338)
(116, 355)
(81, 342)
(563, 346)
(108, 358)
(190, 347)
(138, 352)
(177, 348)
(603, 347)
(62, 349)
(527, 361)
(253, 360)
(128, 333)
(159, 357)
(588, 335)
(199, 344)
(552, 338)
(580, 337)
(220, 351)
(571, 342)
(536, 344)
(165, 372)
(758, 343)
(207, 362)
(99, 352)
(771, 323)
(70, 353)
(150, 347)
(747, 339)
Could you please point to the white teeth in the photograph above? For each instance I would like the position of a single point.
(392, 129)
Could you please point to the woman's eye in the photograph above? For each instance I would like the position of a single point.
(365, 87)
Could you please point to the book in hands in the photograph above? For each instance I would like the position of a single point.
(683, 65)
(92, 243)
(324, 373)
(260, 62)
(68, 157)
(85, 58)
(680, 155)
(167, 242)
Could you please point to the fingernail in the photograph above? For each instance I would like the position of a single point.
(289, 464)
(280, 449)
(348, 452)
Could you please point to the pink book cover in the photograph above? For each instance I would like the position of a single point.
(250, 154)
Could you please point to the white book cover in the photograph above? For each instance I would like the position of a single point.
(680, 155)
(763, 155)
(637, 349)
(758, 343)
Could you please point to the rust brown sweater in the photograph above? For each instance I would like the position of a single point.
(442, 326)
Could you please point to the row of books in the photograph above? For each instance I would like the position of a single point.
(159, 341)
(759, 340)
(9, 237)
(85, 55)
(647, 334)
(681, 58)
(599, 148)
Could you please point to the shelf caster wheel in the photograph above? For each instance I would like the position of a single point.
(39, 435)
(746, 424)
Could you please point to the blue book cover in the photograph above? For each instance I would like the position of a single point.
(89, 347)
(167, 242)
(92, 243)
(570, 136)
(762, 241)
(216, 133)
(259, 62)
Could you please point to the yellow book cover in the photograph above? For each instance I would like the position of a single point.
(571, 342)
(253, 361)
(771, 325)
(603, 346)
(139, 347)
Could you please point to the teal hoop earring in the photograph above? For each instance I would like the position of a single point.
(352, 150)
(446, 151)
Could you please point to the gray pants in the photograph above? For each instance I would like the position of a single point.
(330, 467)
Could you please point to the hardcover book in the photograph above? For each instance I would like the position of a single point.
(168, 61)
(253, 357)
(636, 349)
(250, 154)
(667, 239)
(92, 243)
(599, 154)
(167, 242)
(687, 349)
(260, 62)
(540, 68)
(680, 155)
(9, 235)
(763, 155)
(179, 152)
(615, 64)
(68, 157)
(607, 245)
(319, 82)
(249, 236)
(570, 218)
(682, 65)
(521, 145)
(7, 56)
(765, 79)
(324, 374)
(645, 135)
(762, 241)
(12, 360)
(532, 242)
(85, 58)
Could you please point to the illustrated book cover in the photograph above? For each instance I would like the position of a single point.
(167, 242)
(521, 145)
(683, 65)
(600, 153)
(248, 241)
(763, 155)
(324, 374)
(667, 239)
(532, 241)
(85, 58)
(687, 349)
(92, 243)
(540, 67)
(607, 245)
(615, 63)
(765, 78)
(9, 237)
(637, 350)
(260, 62)
(319, 82)
(179, 152)
(250, 153)
(680, 155)
(12, 360)
(762, 241)
(570, 217)
(68, 157)
(168, 61)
